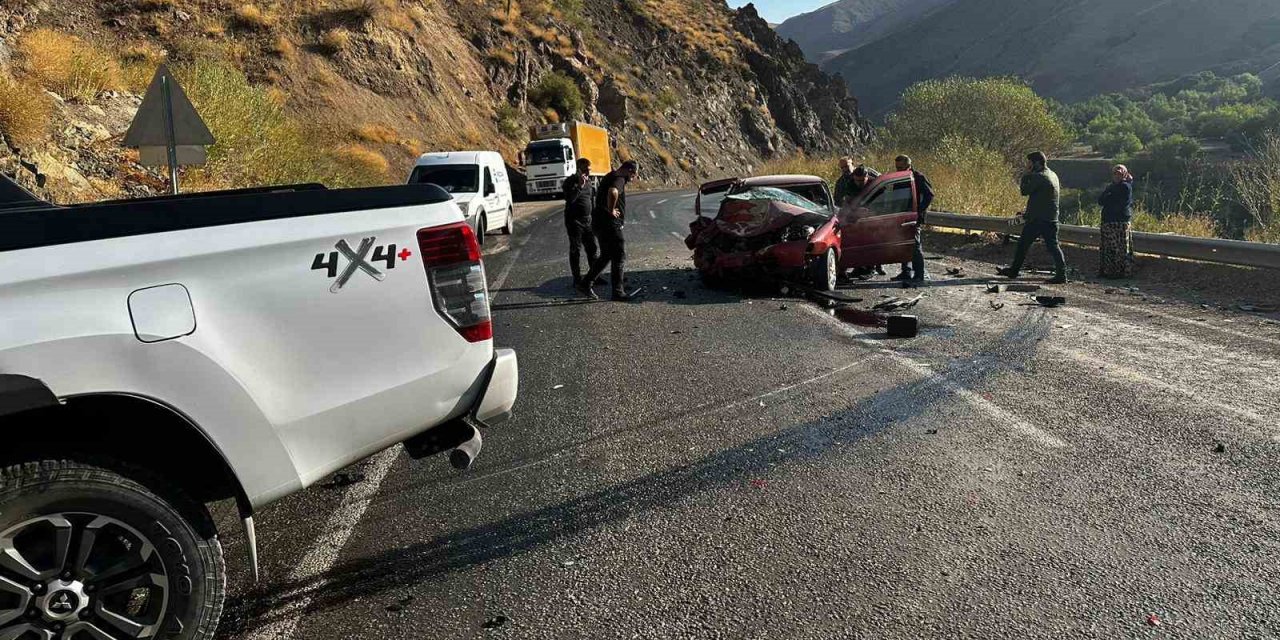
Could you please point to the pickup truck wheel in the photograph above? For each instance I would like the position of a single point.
(825, 271)
(88, 553)
(510, 226)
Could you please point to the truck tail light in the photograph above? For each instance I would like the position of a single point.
(451, 256)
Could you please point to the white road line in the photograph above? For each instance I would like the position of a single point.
(988, 407)
(328, 546)
(677, 235)
(653, 215)
(663, 201)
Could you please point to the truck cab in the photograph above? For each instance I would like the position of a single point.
(553, 153)
(548, 163)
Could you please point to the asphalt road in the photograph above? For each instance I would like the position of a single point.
(706, 464)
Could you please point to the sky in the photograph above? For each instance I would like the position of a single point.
(776, 11)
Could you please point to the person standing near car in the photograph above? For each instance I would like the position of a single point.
(845, 188)
(1041, 187)
(579, 200)
(607, 220)
(913, 272)
(1115, 257)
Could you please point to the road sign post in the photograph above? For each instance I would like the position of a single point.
(167, 130)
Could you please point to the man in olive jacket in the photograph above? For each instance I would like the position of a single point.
(1040, 186)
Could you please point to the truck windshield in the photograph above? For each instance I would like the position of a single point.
(454, 178)
(545, 154)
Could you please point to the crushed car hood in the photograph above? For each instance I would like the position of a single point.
(762, 210)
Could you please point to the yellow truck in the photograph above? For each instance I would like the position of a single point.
(553, 152)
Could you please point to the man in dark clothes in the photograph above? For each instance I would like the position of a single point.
(844, 184)
(913, 272)
(859, 180)
(607, 220)
(579, 200)
(1040, 186)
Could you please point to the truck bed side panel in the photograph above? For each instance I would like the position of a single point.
(291, 381)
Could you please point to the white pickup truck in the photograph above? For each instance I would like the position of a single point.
(160, 354)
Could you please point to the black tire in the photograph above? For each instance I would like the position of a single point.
(482, 228)
(824, 271)
(510, 227)
(127, 526)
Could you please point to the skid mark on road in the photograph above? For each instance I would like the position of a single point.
(1208, 326)
(327, 547)
(514, 257)
(991, 409)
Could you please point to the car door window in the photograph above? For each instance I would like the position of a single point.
(488, 182)
(894, 197)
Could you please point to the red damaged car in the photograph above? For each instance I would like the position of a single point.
(787, 227)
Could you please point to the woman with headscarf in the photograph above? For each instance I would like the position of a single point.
(1116, 256)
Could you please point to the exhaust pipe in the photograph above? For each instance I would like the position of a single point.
(466, 453)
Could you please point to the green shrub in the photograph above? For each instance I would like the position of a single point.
(509, 121)
(559, 92)
(1004, 113)
(258, 143)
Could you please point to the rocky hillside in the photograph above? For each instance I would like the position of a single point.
(1067, 49)
(350, 91)
(848, 24)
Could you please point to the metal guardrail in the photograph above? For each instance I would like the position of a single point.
(1248, 254)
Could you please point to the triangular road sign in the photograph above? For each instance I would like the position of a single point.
(150, 127)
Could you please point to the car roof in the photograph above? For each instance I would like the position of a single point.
(452, 157)
(781, 180)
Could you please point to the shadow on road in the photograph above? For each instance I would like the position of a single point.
(395, 570)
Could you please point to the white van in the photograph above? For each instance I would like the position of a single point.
(478, 182)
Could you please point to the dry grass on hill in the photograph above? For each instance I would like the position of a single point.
(24, 111)
(67, 65)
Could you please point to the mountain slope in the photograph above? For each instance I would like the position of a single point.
(848, 24)
(308, 89)
(1067, 49)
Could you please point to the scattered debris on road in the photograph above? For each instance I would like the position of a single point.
(903, 326)
(995, 306)
(955, 272)
(861, 317)
(1022, 288)
(559, 386)
(1051, 301)
(1153, 619)
(343, 479)
(495, 622)
(1221, 448)
(897, 304)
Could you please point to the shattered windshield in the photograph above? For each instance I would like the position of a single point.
(780, 195)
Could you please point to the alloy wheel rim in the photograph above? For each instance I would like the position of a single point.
(80, 575)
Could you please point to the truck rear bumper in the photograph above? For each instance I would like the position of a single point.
(499, 387)
(500, 394)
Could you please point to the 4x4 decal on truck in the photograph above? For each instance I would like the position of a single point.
(356, 261)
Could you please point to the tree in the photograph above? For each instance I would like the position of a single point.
(1004, 113)
(559, 92)
(1171, 155)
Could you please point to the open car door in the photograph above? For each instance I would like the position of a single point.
(880, 226)
(710, 188)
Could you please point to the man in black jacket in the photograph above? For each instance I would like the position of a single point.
(607, 220)
(579, 200)
(1040, 186)
(913, 272)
